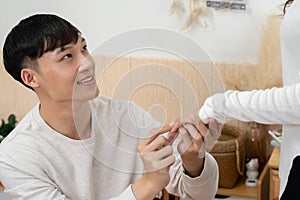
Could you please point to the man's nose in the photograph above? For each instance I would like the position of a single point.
(85, 63)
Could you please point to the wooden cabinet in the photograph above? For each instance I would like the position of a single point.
(260, 192)
(274, 184)
(274, 178)
(268, 182)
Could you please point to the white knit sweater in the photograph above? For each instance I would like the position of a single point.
(39, 163)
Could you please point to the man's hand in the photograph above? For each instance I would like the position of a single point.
(157, 156)
(210, 132)
(196, 138)
(191, 150)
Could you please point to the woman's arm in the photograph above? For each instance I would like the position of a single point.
(270, 106)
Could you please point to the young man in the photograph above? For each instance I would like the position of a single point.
(76, 145)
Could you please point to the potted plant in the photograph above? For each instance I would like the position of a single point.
(6, 128)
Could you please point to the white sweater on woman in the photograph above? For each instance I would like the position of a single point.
(270, 106)
(36, 162)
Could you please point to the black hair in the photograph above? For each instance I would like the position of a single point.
(34, 36)
(286, 4)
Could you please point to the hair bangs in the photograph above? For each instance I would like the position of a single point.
(60, 37)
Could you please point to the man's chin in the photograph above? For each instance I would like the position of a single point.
(86, 96)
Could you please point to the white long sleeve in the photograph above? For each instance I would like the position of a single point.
(270, 106)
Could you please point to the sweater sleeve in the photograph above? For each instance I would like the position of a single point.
(203, 187)
(127, 194)
(21, 185)
(270, 106)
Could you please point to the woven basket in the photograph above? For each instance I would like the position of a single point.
(229, 153)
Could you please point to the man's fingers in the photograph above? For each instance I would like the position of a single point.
(159, 159)
(175, 126)
(156, 144)
(196, 136)
(192, 131)
(163, 129)
(203, 130)
(186, 137)
(166, 162)
(171, 137)
(215, 128)
(186, 141)
(154, 133)
(192, 118)
(213, 135)
(189, 119)
(181, 145)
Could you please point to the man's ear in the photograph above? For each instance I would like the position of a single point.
(29, 77)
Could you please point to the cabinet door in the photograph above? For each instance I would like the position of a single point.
(274, 184)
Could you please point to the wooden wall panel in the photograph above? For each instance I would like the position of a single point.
(167, 88)
(15, 98)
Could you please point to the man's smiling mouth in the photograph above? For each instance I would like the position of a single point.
(85, 80)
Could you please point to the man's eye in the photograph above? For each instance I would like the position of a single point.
(67, 56)
(84, 48)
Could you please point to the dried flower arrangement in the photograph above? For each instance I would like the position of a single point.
(197, 9)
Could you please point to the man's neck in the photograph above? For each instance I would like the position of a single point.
(72, 119)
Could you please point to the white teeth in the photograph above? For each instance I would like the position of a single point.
(85, 80)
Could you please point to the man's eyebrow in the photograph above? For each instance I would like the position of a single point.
(63, 48)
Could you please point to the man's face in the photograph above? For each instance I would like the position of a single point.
(68, 73)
